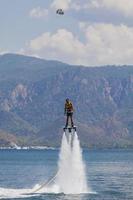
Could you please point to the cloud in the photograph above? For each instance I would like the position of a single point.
(78, 5)
(108, 44)
(125, 7)
(64, 4)
(38, 13)
(103, 44)
(61, 46)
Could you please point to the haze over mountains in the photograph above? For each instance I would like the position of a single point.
(32, 95)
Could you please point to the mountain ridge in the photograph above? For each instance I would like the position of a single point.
(32, 95)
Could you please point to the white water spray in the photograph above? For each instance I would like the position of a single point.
(71, 178)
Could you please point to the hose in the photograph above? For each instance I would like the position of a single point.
(50, 180)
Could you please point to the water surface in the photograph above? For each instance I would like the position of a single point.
(109, 174)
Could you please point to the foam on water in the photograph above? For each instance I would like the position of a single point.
(23, 193)
(14, 193)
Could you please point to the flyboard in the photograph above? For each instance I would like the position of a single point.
(70, 129)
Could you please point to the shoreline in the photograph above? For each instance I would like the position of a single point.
(28, 148)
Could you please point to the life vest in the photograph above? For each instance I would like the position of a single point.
(69, 107)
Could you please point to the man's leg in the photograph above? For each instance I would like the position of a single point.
(71, 116)
(67, 121)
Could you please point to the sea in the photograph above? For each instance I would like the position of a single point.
(109, 174)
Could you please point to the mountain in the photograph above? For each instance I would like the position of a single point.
(32, 95)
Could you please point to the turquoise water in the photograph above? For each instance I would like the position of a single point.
(109, 174)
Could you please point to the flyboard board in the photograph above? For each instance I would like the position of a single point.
(70, 129)
(69, 132)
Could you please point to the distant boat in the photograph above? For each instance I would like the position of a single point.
(15, 146)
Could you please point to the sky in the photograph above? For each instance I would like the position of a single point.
(90, 33)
